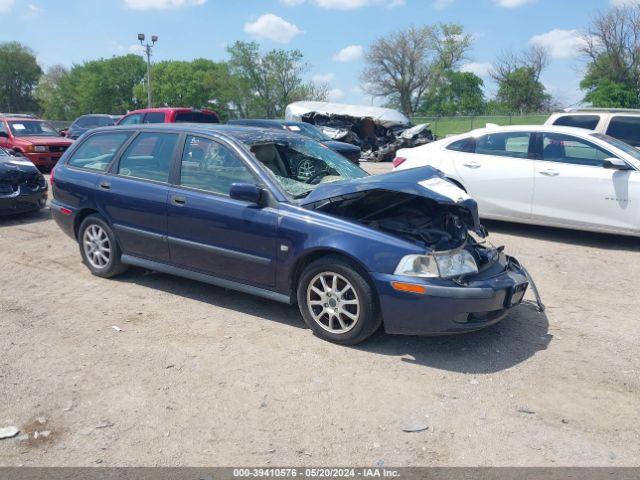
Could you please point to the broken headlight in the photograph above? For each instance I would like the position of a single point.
(443, 265)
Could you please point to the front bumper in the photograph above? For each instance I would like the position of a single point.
(449, 308)
(23, 201)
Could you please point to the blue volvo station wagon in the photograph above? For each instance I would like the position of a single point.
(279, 215)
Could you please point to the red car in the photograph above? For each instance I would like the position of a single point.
(169, 115)
(34, 139)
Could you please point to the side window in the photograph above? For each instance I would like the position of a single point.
(132, 119)
(590, 122)
(97, 151)
(208, 165)
(149, 157)
(567, 149)
(626, 129)
(196, 117)
(464, 145)
(509, 144)
(82, 122)
(3, 129)
(154, 117)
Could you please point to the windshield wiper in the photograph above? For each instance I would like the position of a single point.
(302, 195)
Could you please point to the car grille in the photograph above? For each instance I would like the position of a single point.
(57, 148)
(6, 189)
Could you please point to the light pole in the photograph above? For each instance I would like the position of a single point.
(147, 50)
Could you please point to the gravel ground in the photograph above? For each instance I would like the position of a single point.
(202, 376)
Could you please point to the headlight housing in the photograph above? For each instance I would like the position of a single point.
(438, 265)
(39, 148)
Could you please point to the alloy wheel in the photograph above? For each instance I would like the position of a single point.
(333, 302)
(97, 247)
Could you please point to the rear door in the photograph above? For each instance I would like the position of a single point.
(134, 195)
(573, 188)
(498, 173)
(212, 233)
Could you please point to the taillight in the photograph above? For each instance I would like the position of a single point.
(398, 161)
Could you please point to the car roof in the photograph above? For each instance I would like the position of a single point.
(21, 119)
(239, 132)
(171, 109)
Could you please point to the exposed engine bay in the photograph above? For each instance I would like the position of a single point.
(420, 220)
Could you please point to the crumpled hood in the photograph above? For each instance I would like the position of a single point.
(15, 170)
(424, 182)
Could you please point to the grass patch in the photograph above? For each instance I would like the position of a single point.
(446, 126)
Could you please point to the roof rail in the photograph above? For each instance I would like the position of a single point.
(602, 110)
(16, 115)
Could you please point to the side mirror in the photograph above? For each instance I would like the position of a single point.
(246, 192)
(615, 164)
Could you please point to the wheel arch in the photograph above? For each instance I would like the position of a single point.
(80, 216)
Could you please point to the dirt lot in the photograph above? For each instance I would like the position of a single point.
(202, 376)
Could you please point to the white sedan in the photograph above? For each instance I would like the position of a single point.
(544, 175)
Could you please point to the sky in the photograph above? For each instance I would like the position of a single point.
(332, 34)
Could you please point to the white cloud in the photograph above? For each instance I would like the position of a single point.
(560, 43)
(273, 27)
(349, 54)
(346, 4)
(442, 4)
(134, 48)
(512, 3)
(335, 94)
(5, 5)
(624, 3)
(161, 4)
(480, 69)
(33, 11)
(323, 78)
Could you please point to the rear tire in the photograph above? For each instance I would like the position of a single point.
(337, 301)
(99, 249)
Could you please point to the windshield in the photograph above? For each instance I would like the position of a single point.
(32, 128)
(310, 131)
(620, 145)
(300, 165)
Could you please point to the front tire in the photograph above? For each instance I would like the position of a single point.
(337, 302)
(99, 248)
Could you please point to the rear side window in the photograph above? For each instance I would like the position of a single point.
(149, 157)
(590, 122)
(97, 151)
(626, 129)
(509, 144)
(208, 165)
(196, 117)
(154, 117)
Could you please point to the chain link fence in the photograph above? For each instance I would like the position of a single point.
(446, 126)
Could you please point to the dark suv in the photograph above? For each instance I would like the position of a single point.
(279, 215)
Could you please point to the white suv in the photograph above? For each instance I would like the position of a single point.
(623, 124)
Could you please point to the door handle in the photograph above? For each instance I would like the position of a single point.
(472, 165)
(550, 173)
(105, 185)
(179, 201)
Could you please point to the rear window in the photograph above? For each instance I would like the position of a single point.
(97, 151)
(149, 157)
(626, 129)
(590, 122)
(154, 117)
(196, 117)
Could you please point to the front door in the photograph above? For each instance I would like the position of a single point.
(212, 233)
(572, 187)
(134, 196)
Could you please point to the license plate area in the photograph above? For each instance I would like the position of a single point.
(517, 294)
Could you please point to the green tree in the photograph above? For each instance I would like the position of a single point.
(521, 92)
(50, 93)
(611, 44)
(19, 75)
(411, 63)
(199, 83)
(459, 93)
(264, 84)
